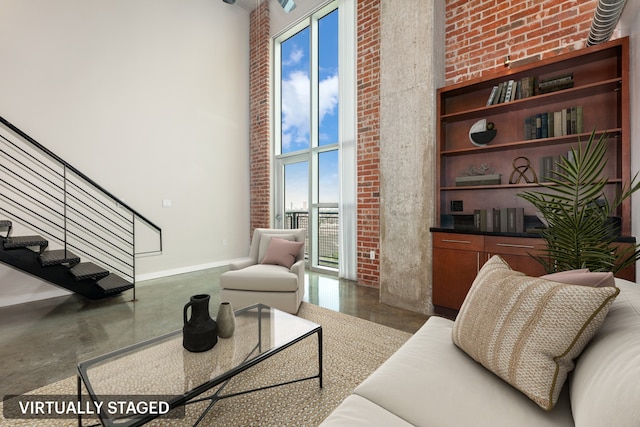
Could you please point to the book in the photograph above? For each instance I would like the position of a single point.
(538, 126)
(557, 123)
(556, 81)
(555, 88)
(492, 95)
(556, 167)
(496, 99)
(503, 94)
(509, 92)
(515, 220)
(563, 76)
(574, 120)
(550, 121)
(546, 168)
(480, 219)
(511, 220)
(544, 125)
(489, 179)
(519, 220)
(496, 220)
(524, 87)
(579, 128)
(503, 220)
(527, 127)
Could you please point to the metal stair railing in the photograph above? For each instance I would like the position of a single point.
(41, 191)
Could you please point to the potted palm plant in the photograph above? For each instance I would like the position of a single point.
(579, 232)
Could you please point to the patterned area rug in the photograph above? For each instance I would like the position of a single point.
(353, 349)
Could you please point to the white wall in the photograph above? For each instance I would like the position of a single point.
(630, 26)
(150, 99)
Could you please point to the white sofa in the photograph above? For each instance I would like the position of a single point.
(429, 381)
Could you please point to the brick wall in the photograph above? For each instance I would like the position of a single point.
(481, 33)
(260, 135)
(368, 127)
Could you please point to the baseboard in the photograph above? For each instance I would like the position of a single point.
(141, 278)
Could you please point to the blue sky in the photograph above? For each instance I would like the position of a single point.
(295, 110)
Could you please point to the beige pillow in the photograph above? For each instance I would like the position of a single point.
(528, 330)
(282, 252)
(582, 277)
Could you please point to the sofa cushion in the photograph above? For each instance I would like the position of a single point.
(282, 252)
(431, 382)
(605, 386)
(272, 278)
(529, 330)
(356, 411)
(265, 240)
(582, 277)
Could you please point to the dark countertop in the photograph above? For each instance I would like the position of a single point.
(622, 239)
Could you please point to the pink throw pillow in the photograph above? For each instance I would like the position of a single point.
(282, 252)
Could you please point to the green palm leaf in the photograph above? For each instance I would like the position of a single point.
(577, 212)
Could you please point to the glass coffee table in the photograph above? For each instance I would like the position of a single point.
(132, 386)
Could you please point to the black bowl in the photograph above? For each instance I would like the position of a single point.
(482, 138)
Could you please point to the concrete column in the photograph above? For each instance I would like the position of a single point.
(412, 68)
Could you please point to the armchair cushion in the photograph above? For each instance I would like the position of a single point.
(261, 277)
(282, 252)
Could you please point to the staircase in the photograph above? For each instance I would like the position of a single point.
(62, 215)
(58, 266)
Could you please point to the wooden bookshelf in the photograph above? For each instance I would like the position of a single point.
(600, 86)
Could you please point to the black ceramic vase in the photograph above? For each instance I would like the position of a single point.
(200, 331)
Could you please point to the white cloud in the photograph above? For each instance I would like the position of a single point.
(294, 57)
(296, 99)
(295, 109)
(328, 94)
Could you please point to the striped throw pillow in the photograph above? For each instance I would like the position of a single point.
(528, 330)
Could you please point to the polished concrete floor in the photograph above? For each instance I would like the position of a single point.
(41, 342)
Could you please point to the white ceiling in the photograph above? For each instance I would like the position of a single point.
(248, 5)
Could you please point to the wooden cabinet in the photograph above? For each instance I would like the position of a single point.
(456, 261)
(458, 257)
(517, 252)
(599, 89)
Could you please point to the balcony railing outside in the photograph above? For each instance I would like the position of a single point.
(328, 255)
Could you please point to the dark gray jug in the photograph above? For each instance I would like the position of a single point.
(200, 331)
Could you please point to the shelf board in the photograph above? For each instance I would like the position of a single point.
(533, 101)
(504, 186)
(540, 142)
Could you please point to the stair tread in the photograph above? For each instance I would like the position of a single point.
(24, 241)
(114, 284)
(58, 256)
(88, 270)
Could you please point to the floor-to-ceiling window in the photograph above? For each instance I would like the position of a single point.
(307, 134)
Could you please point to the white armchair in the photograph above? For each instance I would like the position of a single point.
(273, 274)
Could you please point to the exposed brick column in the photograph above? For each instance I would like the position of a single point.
(368, 127)
(260, 135)
(480, 33)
